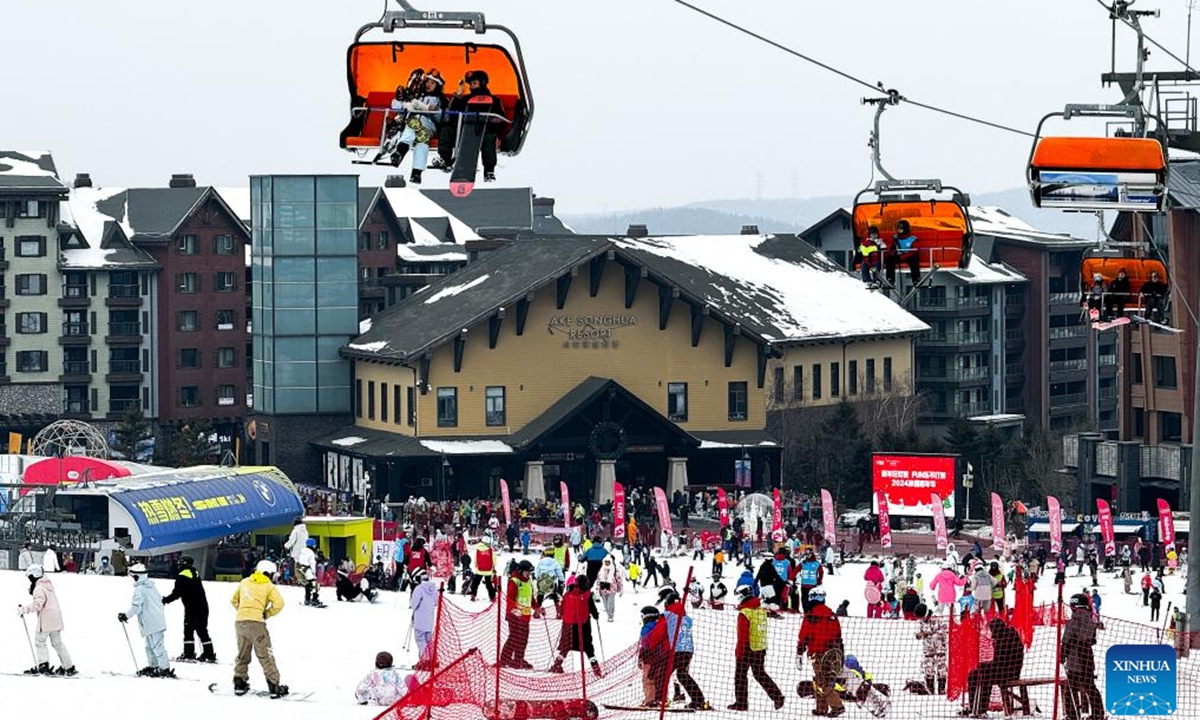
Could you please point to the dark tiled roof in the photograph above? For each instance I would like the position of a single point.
(154, 213)
(489, 207)
(375, 443)
(24, 171)
(749, 438)
(1183, 185)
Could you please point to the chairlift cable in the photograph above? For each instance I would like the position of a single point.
(1151, 40)
(1162, 258)
(877, 88)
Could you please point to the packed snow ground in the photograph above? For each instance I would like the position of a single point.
(326, 651)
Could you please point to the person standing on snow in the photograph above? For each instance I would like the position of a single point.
(50, 560)
(306, 572)
(147, 607)
(751, 651)
(424, 602)
(190, 590)
(25, 558)
(518, 612)
(50, 623)
(297, 540)
(821, 639)
(611, 583)
(679, 623)
(578, 609)
(483, 569)
(256, 599)
(549, 579)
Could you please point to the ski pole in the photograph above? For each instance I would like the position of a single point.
(410, 632)
(600, 639)
(32, 654)
(130, 644)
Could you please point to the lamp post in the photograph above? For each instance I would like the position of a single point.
(446, 470)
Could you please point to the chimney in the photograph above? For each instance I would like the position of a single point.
(543, 206)
(83, 180)
(182, 180)
(394, 181)
(638, 231)
(749, 230)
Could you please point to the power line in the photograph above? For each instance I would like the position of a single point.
(876, 88)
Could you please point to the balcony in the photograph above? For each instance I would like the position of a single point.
(954, 374)
(1069, 400)
(1106, 360)
(3, 295)
(76, 371)
(119, 406)
(1014, 371)
(1162, 461)
(945, 304)
(1064, 298)
(74, 296)
(1062, 333)
(370, 288)
(1068, 365)
(124, 371)
(960, 409)
(954, 339)
(75, 333)
(123, 296)
(76, 407)
(124, 333)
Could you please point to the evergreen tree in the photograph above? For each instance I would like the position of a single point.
(846, 456)
(132, 429)
(194, 444)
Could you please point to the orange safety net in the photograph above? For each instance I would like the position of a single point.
(1137, 269)
(940, 228)
(1092, 153)
(381, 67)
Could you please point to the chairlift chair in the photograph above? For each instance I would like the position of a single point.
(375, 68)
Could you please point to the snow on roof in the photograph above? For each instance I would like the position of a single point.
(993, 220)
(89, 257)
(88, 217)
(453, 290)
(981, 272)
(414, 253)
(364, 325)
(238, 200)
(27, 164)
(412, 203)
(348, 441)
(369, 347)
(716, 445)
(804, 300)
(467, 447)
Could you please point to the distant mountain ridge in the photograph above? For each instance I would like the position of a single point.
(792, 215)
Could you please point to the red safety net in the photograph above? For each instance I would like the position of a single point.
(933, 668)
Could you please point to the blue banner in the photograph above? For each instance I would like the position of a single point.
(196, 507)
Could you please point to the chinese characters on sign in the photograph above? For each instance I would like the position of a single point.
(175, 508)
(590, 331)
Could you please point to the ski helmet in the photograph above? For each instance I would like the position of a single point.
(852, 663)
(921, 610)
(817, 594)
(525, 566)
(311, 542)
(667, 595)
(136, 570)
(266, 567)
(479, 75)
(1079, 600)
(650, 612)
(186, 561)
(383, 660)
(744, 592)
(435, 76)
(34, 571)
(583, 583)
(419, 575)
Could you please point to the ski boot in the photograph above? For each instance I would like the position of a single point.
(241, 686)
(277, 690)
(489, 177)
(148, 671)
(207, 657)
(66, 671)
(40, 669)
(557, 667)
(415, 178)
(596, 668)
(165, 673)
(186, 657)
(398, 155)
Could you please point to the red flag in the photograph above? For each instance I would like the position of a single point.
(722, 507)
(1104, 513)
(777, 518)
(828, 511)
(1166, 523)
(1055, 524)
(566, 502)
(664, 510)
(939, 521)
(504, 497)
(997, 522)
(618, 510)
(885, 522)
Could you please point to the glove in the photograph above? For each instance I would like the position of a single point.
(800, 661)
(122, 617)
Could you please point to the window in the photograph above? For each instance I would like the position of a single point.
(364, 240)
(493, 405)
(677, 402)
(225, 282)
(370, 399)
(1137, 368)
(1170, 427)
(189, 358)
(1139, 423)
(31, 284)
(396, 404)
(887, 374)
(227, 394)
(798, 383)
(31, 209)
(447, 407)
(777, 388)
(187, 282)
(383, 402)
(31, 323)
(124, 360)
(31, 246)
(870, 375)
(1164, 371)
(852, 379)
(381, 240)
(187, 321)
(75, 285)
(75, 399)
(223, 245)
(189, 396)
(226, 357)
(738, 401)
(358, 398)
(411, 400)
(816, 381)
(187, 245)
(835, 379)
(226, 319)
(32, 361)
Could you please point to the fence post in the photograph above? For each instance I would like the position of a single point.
(499, 615)
(1058, 620)
(583, 659)
(433, 661)
(666, 683)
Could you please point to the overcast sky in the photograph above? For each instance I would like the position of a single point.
(639, 102)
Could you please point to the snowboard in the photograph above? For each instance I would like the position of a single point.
(293, 696)
(1142, 320)
(1117, 322)
(114, 673)
(471, 129)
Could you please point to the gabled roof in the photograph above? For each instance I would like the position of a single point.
(840, 213)
(999, 223)
(775, 288)
(981, 272)
(144, 214)
(29, 170)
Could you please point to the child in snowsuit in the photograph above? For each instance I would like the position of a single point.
(652, 656)
(424, 601)
(578, 609)
(382, 686)
(934, 661)
(50, 623)
(751, 651)
(147, 607)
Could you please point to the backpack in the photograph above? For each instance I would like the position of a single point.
(546, 584)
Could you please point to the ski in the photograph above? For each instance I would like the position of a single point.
(113, 673)
(292, 696)
(76, 676)
(471, 132)
(653, 708)
(1146, 321)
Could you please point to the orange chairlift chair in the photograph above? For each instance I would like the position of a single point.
(935, 213)
(374, 69)
(1136, 269)
(1098, 173)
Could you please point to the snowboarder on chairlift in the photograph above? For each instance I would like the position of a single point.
(868, 255)
(1154, 293)
(473, 85)
(418, 126)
